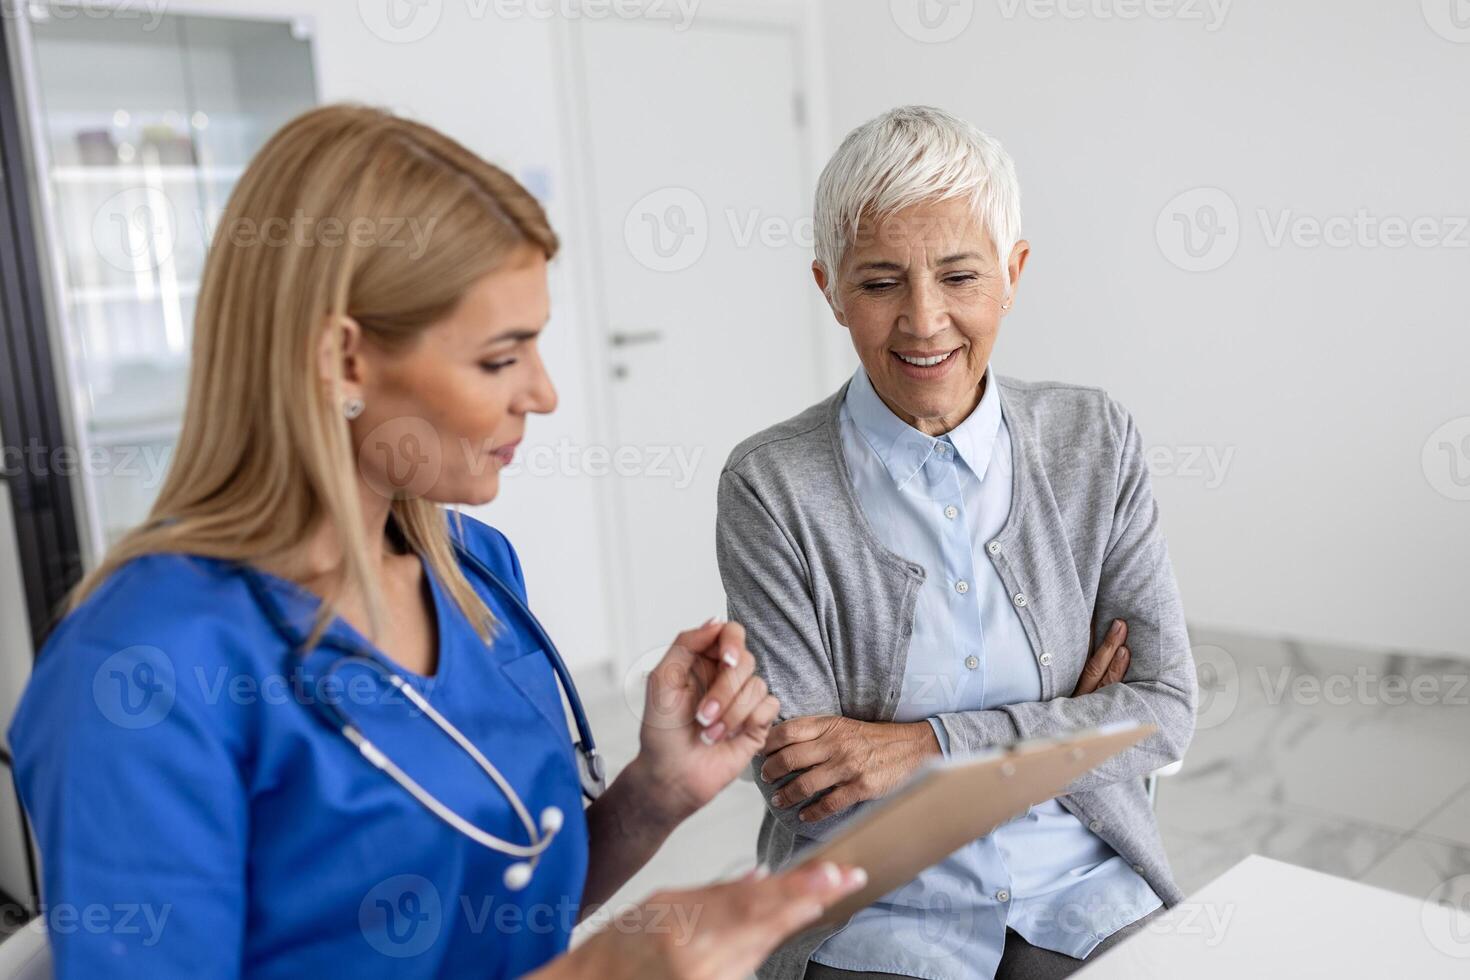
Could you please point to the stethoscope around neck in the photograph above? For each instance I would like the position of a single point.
(589, 762)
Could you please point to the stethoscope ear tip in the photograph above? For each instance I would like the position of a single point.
(518, 875)
(551, 820)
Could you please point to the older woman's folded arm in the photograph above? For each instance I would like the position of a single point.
(1136, 585)
(769, 592)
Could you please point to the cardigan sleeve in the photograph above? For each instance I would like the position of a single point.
(768, 590)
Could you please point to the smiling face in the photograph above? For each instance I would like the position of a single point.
(443, 415)
(922, 294)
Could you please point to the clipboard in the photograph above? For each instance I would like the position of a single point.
(951, 802)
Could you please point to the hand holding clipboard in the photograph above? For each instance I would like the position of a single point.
(955, 801)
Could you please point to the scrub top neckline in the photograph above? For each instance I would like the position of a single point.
(345, 634)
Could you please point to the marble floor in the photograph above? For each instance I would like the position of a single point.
(1349, 762)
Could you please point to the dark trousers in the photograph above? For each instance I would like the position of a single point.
(1019, 961)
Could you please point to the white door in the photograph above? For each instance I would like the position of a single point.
(700, 200)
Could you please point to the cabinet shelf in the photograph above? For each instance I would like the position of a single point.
(125, 293)
(72, 175)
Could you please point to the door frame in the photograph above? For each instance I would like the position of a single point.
(34, 405)
(799, 21)
(42, 506)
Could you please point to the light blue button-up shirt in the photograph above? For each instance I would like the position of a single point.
(1044, 874)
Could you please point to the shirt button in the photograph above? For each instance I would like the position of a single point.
(962, 587)
(1095, 826)
(1045, 659)
(951, 512)
(1138, 869)
(972, 662)
(1002, 896)
(1020, 598)
(993, 547)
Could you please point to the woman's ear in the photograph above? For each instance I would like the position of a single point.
(819, 273)
(339, 357)
(1017, 263)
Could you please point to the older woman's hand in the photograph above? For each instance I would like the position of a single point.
(856, 760)
(1108, 663)
(863, 760)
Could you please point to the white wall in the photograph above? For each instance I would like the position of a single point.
(1289, 393)
(1324, 370)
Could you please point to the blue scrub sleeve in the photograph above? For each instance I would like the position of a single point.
(125, 763)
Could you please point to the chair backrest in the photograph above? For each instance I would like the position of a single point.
(26, 955)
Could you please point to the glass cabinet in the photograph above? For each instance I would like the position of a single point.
(140, 127)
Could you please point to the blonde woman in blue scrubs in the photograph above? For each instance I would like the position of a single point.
(180, 746)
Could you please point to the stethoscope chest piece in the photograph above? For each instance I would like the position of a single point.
(518, 875)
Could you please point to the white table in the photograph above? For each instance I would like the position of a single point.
(1264, 918)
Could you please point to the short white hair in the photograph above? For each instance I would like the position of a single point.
(913, 155)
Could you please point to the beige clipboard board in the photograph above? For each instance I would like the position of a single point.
(951, 802)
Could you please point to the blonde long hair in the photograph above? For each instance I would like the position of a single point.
(265, 452)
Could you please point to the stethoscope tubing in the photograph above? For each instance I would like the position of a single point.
(590, 766)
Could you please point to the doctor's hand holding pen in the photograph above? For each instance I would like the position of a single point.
(706, 714)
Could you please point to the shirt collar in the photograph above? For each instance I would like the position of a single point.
(904, 450)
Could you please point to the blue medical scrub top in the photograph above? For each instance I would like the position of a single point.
(197, 817)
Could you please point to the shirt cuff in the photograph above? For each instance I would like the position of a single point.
(940, 734)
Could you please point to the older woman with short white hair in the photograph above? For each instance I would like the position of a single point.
(937, 560)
